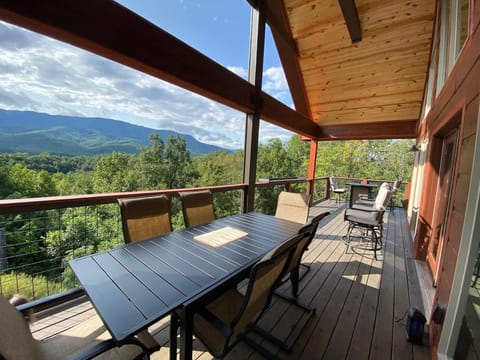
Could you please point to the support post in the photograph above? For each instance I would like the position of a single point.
(255, 70)
(312, 164)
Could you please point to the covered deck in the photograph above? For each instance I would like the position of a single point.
(360, 302)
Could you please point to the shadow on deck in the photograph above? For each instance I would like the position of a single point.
(360, 302)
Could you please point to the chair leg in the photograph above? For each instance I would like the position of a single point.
(375, 243)
(258, 348)
(351, 226)
(307, 268)
(293, 337)
(294, 279)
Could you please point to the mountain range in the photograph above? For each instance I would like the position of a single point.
(33, 132)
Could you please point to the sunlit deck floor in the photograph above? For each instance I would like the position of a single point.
(360, 302)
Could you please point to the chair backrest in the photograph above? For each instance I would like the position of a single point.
(383, 197)
(396, 185)
(145, 217)
(333, 183)
(263, 278)
(293, 206)
(302, 246)
(197, 207)
(16, 341)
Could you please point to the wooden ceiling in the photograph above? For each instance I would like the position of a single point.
(375, 84)
(370, 89)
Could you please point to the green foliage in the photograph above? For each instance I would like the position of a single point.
(50, 163)
(218, 168)
(371, 159)
(115, 173)
(74, 183)
(30, 183)
(33, 287)
(86, 227)
(178, 169)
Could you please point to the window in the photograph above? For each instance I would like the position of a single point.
(450, 34)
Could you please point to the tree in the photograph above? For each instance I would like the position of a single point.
(151, 165)
(115, 173)
(30, 183)
(179, 169)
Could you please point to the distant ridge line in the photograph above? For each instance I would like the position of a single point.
(35, 132)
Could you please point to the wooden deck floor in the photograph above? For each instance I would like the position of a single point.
(360, 302)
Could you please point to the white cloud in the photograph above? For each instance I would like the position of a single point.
(41, 74)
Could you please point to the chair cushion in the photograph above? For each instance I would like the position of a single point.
(373, 218)
(383, 197)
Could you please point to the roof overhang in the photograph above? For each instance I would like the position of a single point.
(371, 89)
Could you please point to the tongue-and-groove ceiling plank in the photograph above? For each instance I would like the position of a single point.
(378, 80)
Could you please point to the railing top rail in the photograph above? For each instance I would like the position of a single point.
(10, 206)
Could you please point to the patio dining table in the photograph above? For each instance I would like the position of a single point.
(137, 284)
(357, 189)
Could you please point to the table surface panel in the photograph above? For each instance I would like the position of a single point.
(137, 284)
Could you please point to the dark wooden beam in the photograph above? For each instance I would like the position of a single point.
(108, 29)
(350, 13)
(280, 114)
(277, 18)
(377, 130)
(252, 124)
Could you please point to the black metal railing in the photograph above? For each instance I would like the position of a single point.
(39, 235)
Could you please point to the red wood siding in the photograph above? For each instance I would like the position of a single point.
(460, 93)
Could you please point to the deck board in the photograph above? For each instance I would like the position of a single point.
(359, 301)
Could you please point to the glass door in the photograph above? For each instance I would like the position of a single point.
(442, 201)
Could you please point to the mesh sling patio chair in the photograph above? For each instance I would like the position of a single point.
(292, 274)
(369, 219)
(294, 207)
(333, 181)
(86, 340)
(145, 217)
(197, 207)
(374, 203)
(225, 321)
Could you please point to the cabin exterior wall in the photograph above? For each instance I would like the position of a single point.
(455, 106)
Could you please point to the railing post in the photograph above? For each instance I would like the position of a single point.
(327, 188)
(3, 252)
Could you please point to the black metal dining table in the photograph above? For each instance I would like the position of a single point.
(357, 189)
(135, 285)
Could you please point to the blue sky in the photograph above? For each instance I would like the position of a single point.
(41, 74)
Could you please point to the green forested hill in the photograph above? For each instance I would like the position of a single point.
(31, 132)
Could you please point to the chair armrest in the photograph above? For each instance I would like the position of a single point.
(216, 322)
(50, 301)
